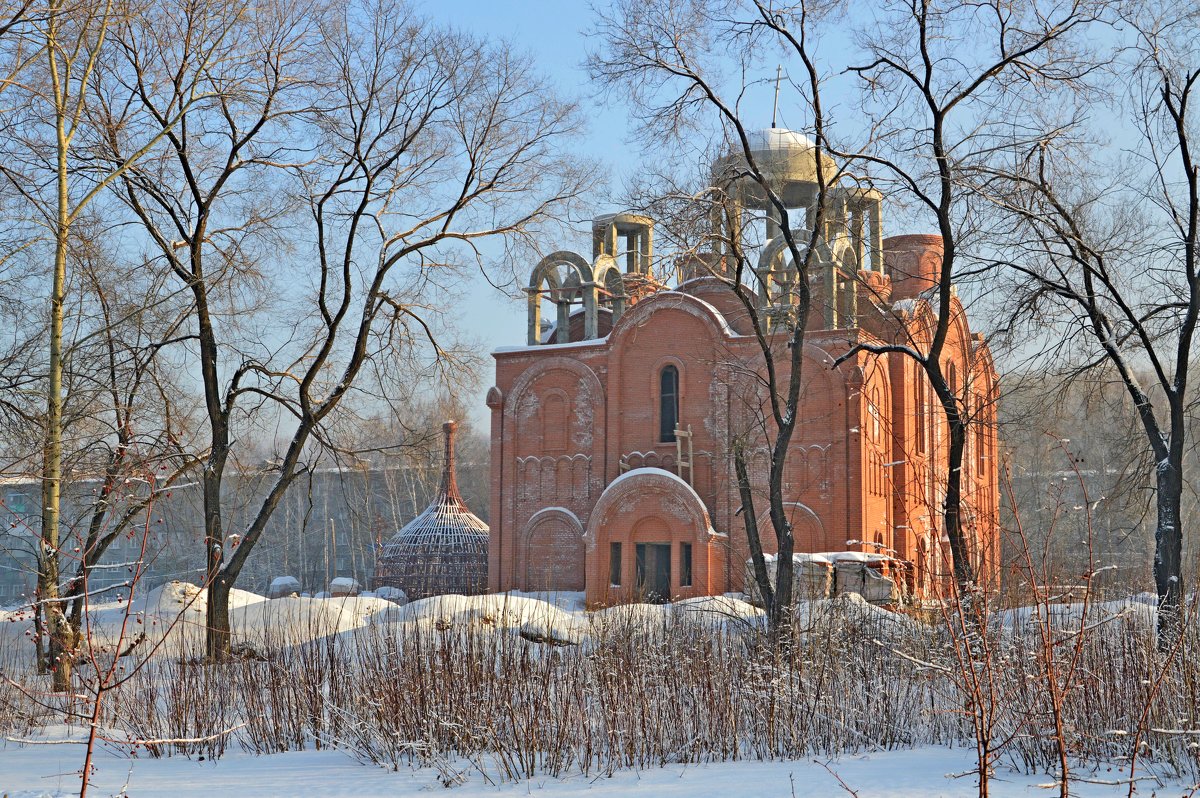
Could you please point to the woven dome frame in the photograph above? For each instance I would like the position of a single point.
(444, 549)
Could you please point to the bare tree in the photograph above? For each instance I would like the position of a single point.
(1107, 255)
(139, 419)
(50, 163)
(386, 141)
(665, 54)
(122, 415)
(942, 76)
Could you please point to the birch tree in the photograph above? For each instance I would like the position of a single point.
(52, 62)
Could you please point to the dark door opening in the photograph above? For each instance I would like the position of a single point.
(654, 572)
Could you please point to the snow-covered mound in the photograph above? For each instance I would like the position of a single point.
(392, 594)
(344, 586)
(572, 601)
(1136, 609)
(284, 586)
(288, 621)
(169, 621)
(712, 612)
(367, 609)
(501, 611)
(176, 597)
(718, 610)
(171, 618)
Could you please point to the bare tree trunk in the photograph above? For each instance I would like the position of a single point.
(964, 570)
(1168, 546)
(219, 636)
(762, 577)
(781, 609)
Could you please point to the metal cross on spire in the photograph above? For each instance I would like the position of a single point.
(778, 79)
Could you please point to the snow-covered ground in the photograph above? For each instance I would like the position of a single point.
(172, 619)
(49, 772)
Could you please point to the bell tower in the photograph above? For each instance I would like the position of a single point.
(850, 239)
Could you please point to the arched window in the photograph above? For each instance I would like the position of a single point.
(981, 453)
(668, 403)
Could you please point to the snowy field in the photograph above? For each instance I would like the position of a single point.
(46, 772)
(516, 694)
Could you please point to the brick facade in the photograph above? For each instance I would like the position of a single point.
(588, 490)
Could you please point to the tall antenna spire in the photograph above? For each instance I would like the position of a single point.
(778, 79)
(449, 481)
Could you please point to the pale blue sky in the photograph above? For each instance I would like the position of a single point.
(554, 34)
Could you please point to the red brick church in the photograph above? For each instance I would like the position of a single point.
(612, 430)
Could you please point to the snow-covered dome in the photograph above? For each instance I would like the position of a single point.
(442, 550)
(778, 139)
(788, 157)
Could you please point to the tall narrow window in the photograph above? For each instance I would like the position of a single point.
(685, 564)
(980, 437)
(919, 403)
(874, 410)
(614, 564)
(668, 404)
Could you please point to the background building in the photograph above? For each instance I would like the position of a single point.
(330, 524)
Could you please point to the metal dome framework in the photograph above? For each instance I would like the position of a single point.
(442, 550)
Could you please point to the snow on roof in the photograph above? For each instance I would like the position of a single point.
(833, 557)
(504, 350)
(647, 471)
(662, 472)
(779, 139)
(858, 556)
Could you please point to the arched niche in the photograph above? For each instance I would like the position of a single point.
(552, 551)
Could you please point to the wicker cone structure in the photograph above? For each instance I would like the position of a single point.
(442, 550)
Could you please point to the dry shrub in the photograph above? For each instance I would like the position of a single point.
(639, 695)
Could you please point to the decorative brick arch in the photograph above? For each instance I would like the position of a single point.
(807, 530)
(693, 306)
(672, 494)
(587, 418)
(654, 502)
(590, 384)
(552, 551)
